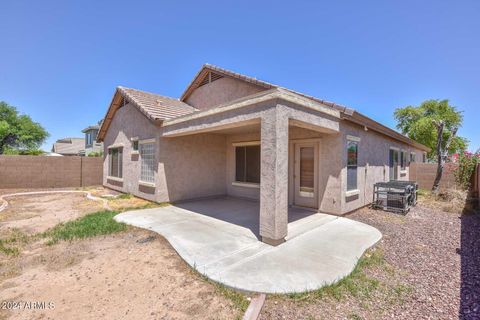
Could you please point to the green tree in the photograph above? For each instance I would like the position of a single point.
(435, 124)
(19, 134)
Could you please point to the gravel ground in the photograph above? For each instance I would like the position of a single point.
(431, 271)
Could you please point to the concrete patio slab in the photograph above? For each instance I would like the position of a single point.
(219, 238)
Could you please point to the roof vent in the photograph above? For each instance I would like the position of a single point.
(209, 78)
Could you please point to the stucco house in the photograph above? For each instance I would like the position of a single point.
(91, 143)
(229, 134)
(69, 146)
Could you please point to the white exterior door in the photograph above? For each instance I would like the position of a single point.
(306, 175)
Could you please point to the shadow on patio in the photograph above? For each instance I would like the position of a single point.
(241, 212)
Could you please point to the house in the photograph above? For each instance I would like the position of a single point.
(234, 135)
(91, 143)
(69, 146)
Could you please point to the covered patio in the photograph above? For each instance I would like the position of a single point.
(265, 121)
(219, 238)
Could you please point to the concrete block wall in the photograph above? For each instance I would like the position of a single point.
(49, 172)
(424, 174)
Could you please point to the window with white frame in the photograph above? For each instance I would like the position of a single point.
(352, 165)
(147, 156)
(247, 163)
(115, 162)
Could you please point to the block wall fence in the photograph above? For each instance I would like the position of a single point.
(18, 172)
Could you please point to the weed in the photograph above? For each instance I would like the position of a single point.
(9, 245)
(357, 283)
(238, 299)
(94, 224)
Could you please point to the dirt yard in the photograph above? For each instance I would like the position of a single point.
(132, 274)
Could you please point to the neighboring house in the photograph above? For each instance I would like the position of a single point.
(91, 143)
(69, 146)
(229, 134)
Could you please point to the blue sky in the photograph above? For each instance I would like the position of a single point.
(60, 61)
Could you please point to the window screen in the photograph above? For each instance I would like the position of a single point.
(147, 155)
(247, 164)
(115, 163)
(352, 164)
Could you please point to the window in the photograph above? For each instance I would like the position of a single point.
(147, 155)
(412, 157)
(115, 162)
(424, 157)
(247, 164)
(403, 159)
(352, 164)
(394, 157)
(135, 145)
(89, 139)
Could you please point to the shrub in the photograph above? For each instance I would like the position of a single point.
(467, 162)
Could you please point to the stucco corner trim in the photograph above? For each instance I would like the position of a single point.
(352, 193)
(246, 184)
(146, 184)
(115, 178)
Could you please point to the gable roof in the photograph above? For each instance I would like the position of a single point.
(348, 114)
(154, 106)
(206, 68)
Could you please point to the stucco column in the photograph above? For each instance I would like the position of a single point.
(274, 176)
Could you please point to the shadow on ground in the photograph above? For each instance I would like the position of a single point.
(470, 273)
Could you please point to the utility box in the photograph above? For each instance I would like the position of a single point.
(395, 196)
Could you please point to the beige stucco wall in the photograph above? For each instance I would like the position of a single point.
(201, 165)
(373, 163)
(221, 91)
(329, 167)
(188, 167)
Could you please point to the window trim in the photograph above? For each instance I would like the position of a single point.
(403, 161)
(140, 143)
(246, 143)
(235, 182)
(356, 141)
(119, 163)
(414, 154)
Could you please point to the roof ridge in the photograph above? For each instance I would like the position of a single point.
(148, 92)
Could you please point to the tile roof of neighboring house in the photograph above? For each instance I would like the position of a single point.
(69, 146)
(155, 106)
(94, 127)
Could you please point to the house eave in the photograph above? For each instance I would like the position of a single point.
(272, 94)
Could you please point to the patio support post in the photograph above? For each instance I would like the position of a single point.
(274, 176)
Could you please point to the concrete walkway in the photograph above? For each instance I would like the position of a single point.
(218, 238)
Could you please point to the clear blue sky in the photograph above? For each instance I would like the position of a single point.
(60, 61)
